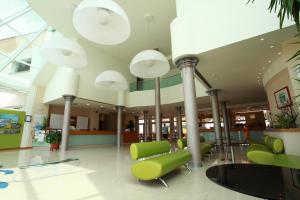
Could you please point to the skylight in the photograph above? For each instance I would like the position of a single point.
(22, 32)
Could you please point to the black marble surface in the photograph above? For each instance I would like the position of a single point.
(264, 181)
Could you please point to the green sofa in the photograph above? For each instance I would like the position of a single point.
(271, 152)
(156, 160)
(205, 147)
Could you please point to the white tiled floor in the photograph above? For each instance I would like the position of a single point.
(102, 173)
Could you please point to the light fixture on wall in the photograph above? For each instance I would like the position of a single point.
(101, 21)
(149, 64)
(111, 80)
(64, 52)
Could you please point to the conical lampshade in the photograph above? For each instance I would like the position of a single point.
(65, 52)
(101, 21)
(111, 80)
(149, 64)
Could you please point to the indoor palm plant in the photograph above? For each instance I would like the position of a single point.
(53, 137)
(285, 8)
(286, 118)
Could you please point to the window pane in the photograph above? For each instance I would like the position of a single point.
(10, 7)
(141, 129)
(28, 23)
(10, 41)
(3, 60)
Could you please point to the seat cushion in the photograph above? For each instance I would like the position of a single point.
(258, 147)
(145, 149)
(275, 144)
(156, 167)
(205, 148)
(281, 160)
(182, 143)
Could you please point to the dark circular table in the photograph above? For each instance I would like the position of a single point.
(264, 181)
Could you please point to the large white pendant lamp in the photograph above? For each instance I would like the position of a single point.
(65, 52)
(101, 21)
(111, 80)
(149, 64)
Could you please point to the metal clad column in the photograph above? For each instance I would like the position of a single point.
(149, 127)
(119, 125)
(179, 122)
(226, 122)
(186, 66)
(136, 124)
(216, 115)
(145, 126)
(157, 109)
(65, 129)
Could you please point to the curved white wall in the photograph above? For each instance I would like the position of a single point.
(63, 82)
(201, 26)
(281, 73)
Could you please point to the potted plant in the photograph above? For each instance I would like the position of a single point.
(286, 118)
(53, 137)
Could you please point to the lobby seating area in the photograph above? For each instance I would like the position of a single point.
(156, 160)
(143, 100)
(205, 147)
(271, 152)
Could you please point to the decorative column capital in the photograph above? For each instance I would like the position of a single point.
(186, 62)
(69, 97)
(212, 92)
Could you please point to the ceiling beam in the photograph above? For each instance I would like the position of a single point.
(202, 80)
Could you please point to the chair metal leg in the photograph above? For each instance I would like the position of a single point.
(186, 165)
(163, 182)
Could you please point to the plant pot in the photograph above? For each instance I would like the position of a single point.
(54, 146)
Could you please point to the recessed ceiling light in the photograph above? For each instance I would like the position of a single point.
(272, 46)
(279, 53)
(88, 104)
(262, 39)
(269, 61)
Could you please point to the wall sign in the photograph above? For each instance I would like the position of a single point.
(283, 98)
(28, 118)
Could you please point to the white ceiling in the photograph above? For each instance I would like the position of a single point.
(156, 34)
(86, 104)
(233, 69)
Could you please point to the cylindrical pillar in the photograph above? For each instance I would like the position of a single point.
(179, 122)
(226, 122)
(157, 109)
(216, 115)
(172, 128)
(136, 124)
(186, 66)
(149, 127)
(119, 125)
(145, 128)
(65, 129)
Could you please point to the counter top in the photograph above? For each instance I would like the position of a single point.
(284, 130)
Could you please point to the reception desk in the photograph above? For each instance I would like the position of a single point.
(130, 137)
(94, 137)
(93, 132)
(87, 137)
